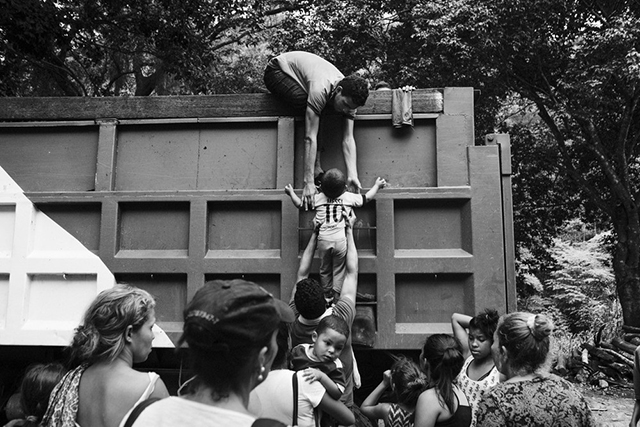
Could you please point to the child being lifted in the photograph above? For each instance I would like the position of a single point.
(333, 204)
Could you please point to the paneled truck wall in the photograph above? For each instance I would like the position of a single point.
(172, 191)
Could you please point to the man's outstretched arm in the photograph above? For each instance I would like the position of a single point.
(312, 126)
(305, 261)
(350, 284)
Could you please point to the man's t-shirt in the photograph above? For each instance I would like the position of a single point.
(317, 76)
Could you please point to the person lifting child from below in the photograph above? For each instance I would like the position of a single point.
(333, 204)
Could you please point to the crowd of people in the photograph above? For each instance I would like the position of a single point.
(258, 361)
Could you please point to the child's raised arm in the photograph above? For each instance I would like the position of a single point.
(370, 406)
(297, 202)
(459, 324)
(380, 183)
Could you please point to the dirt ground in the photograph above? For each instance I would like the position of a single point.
(611, 407)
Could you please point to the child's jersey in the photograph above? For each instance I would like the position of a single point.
(330, 213)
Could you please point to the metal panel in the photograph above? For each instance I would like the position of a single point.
(50, 159)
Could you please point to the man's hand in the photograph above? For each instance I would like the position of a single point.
(354, 184)
(350, 219)
(308, 196)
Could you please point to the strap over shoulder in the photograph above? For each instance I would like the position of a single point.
(138, 409)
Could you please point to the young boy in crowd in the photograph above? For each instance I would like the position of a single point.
(333, 204)
(320, 360)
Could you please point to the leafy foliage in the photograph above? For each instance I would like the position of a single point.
(118, 47)
(583, 287)
(580, 294)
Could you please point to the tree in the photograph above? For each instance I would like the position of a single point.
(578, 62)
(119, 47)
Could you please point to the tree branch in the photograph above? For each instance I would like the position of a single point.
(567, 160)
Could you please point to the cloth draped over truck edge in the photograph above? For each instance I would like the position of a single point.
(401, 108)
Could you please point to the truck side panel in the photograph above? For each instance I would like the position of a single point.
(171, 192)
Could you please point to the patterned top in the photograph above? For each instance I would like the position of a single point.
(544, 401)
(63, 402)
(474, 390)
(398, 417)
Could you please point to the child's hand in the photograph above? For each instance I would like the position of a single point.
(386, 377)
(381, 182)
(312, 374)
(288, 189)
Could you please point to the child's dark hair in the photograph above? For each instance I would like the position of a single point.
(486, 322)
(35, 389)
(309, 299)
(443, 361)
(408, 381)
(356, 88)
(336, 323)
(333, 183)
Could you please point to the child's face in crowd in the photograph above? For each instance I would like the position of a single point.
(479, 344)
(328, 345)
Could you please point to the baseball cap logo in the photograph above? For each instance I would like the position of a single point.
(204, 315)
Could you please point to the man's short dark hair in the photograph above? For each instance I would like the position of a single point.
(356, 88)
(309, 299)
(333, 183)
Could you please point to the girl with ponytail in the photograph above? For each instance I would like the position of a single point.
(530, 396)
(442, 404)
(407, 382)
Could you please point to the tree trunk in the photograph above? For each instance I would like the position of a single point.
(626, 266)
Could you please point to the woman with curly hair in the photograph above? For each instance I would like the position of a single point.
(103, 388)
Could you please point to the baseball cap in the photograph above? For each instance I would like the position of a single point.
(233, 313)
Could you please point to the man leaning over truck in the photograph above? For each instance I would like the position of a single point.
(307, 81)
